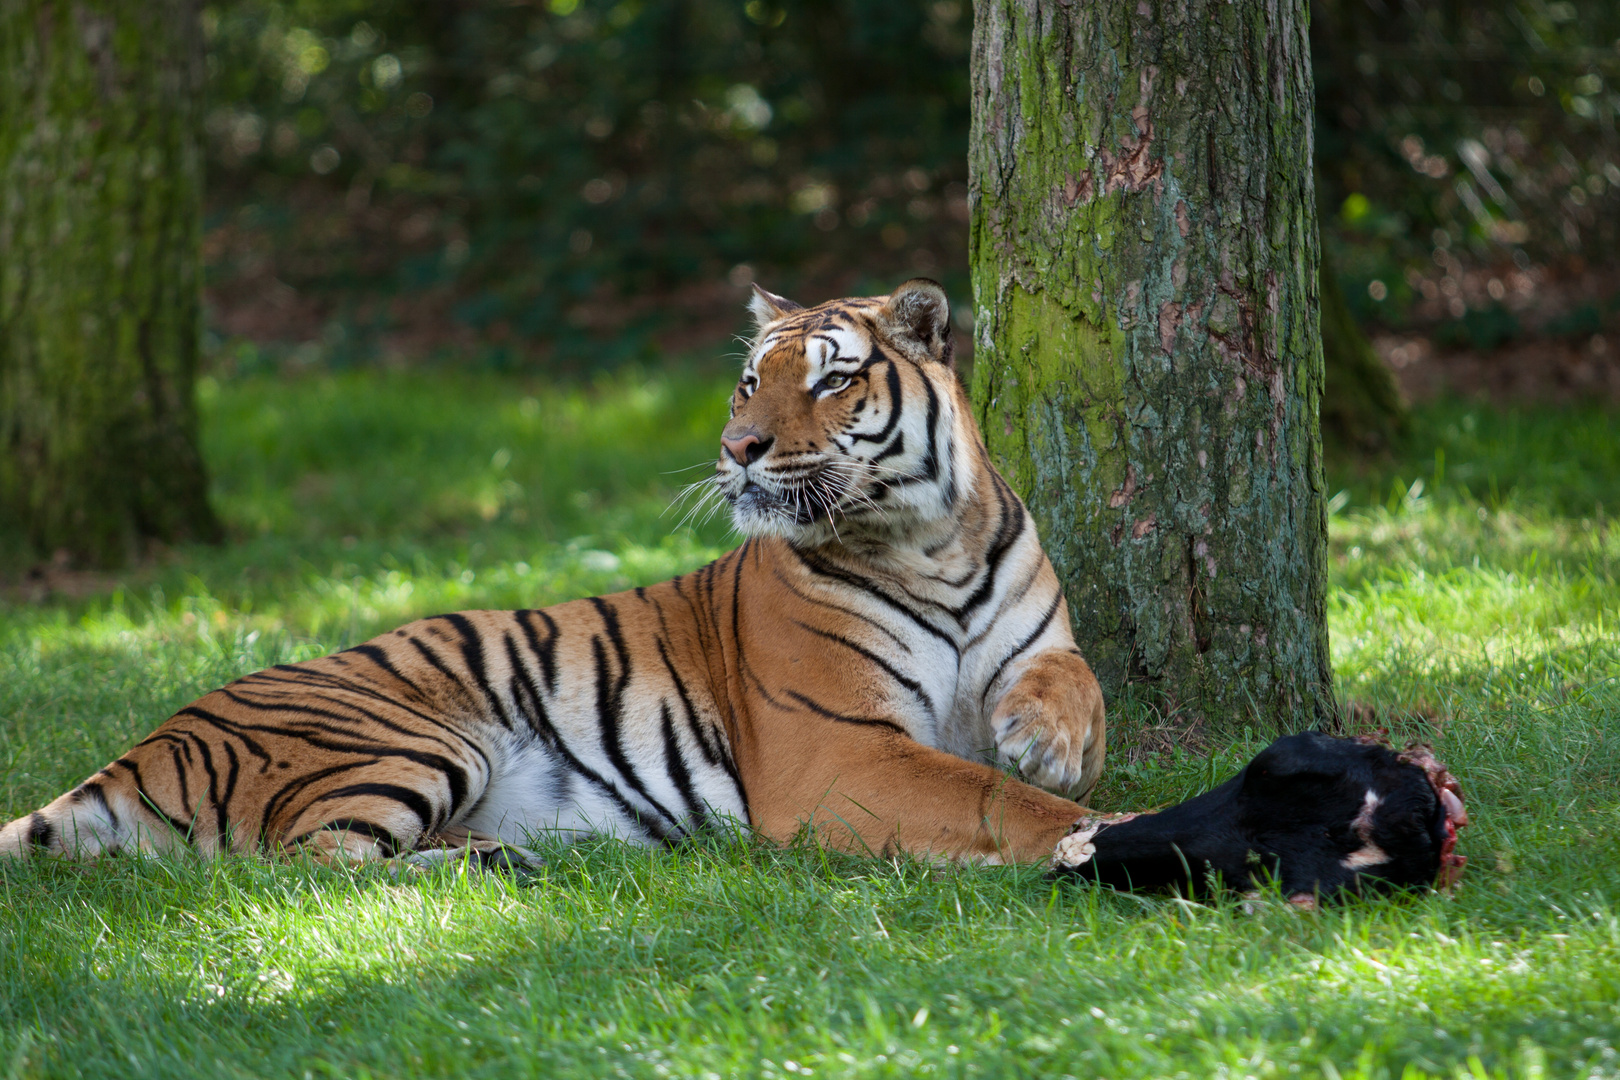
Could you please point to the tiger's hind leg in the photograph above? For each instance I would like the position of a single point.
(477, 848)
(344, 843)
(351, 841)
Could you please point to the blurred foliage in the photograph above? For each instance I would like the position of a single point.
(569, 175)
(1452, 133)
(531, 166)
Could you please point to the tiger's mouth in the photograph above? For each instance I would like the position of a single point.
(794, 505)
(830, 494)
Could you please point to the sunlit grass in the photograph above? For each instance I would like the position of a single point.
(1478, 609)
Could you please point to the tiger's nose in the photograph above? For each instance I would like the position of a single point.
(747, 449)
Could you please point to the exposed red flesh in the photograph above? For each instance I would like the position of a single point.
(1450, 795)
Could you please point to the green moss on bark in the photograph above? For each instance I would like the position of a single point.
(1147, 363)
(100, 203)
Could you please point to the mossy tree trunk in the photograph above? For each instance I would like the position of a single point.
(1148, 366)
(100, 263)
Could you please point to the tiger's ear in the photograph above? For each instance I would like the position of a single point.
(919, 315)
(766, 307)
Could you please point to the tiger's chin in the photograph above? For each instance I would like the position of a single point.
(755, 511)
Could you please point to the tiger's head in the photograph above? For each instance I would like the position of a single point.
(843, 424)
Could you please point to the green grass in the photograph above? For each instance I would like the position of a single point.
(1478, 608)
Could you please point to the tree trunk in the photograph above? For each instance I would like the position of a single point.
(1148, 366)
(1361, 405)
(100, 226)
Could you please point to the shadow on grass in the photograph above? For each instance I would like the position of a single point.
(723, 958)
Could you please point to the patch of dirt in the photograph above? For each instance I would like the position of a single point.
(1361, 718)
(1565, 347)
(1160, 739)
(1558, 371)
(55, 580)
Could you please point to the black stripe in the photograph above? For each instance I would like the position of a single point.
(185, 788)
(545, 652)
(710, 754)
(523, 687)
(366, 716)
(289, 791)
(540, 723)
(793, 588)
(675, 764)
(381, 659)
(389, 842)
(945, 542)
(930, 465)
(162, 735)
(146, 800)
(894, 673)
(950, 472)
(229, 790)
(433, 658)
(213, 784)
(894, 449)
(92, 791)
(610, 703)
(321, 680)
(720, 752)
(892, 380)
(865, 721)
(1010, 599)
(472, 653)
(409, 798)
(1011, 528)
(1046, 620)
(214, 718)
(40, 830)
(821, 567)
(454, 775)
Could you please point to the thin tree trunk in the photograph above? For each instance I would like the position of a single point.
(1361, 402)
(101, 181)
(1148, 365)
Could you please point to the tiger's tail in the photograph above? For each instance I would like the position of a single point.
(109, 812)
(86, 823)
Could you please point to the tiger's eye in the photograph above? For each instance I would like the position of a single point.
(835, 382)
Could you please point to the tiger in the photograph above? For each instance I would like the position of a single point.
(884, 664)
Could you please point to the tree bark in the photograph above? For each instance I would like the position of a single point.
(100, 270)
(1148, 365)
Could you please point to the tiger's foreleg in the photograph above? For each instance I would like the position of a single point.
(1050, 724)
(872, 791)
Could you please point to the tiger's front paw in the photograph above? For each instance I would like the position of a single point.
(1050, 725)
(1050, 755)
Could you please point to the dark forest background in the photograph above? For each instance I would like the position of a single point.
(566, 185)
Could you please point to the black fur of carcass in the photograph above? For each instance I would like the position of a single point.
(1319, 815)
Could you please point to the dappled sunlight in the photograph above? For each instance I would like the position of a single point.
(1488, 629)
(1455, 597)
(144, 658)
(717, 959)
(374, 455)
